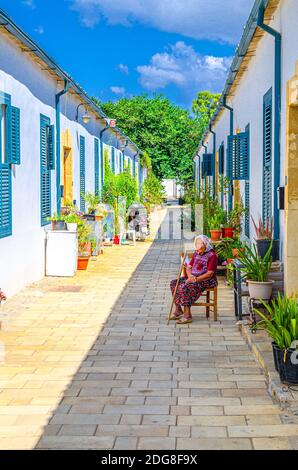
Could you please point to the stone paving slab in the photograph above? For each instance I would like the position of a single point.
(91, 364)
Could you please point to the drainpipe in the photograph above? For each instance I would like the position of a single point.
(277, 110)
(205, 147)
(213, 158)
(230, 197)
(58, 152)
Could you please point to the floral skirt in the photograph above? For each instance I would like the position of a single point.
(189, 292)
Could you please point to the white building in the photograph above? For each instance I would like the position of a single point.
(259, 111)
(47, 153)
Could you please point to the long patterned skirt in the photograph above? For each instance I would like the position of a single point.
(188, 292)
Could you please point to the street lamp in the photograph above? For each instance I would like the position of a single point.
(86, 117)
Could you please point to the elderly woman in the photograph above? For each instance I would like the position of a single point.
(201, 274)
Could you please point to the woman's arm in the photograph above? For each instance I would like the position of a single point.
(205, 276)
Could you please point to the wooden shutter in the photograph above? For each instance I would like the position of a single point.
(207, 168)
(5, 200)
(51, 146)
(15, 136)
(82, 173)
(221, 159)
(45, 174)
(113, 160)
(247, 207)
(267, 156)
(96, 167)
(238, 156)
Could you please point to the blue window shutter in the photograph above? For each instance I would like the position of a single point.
(15, 136)
(238, 156)
(45, 174)
(207, 168)
(96, 167)
(82, 173)
(5, 200)
(221, 159)
(247, 207)
(267, 155)
(51, 146)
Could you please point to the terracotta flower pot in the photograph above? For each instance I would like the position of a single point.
(215, 235)
(235, 252)
(228, 232)
(83, 262)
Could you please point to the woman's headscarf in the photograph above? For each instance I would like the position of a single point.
(206, 242)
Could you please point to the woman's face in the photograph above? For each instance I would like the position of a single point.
(200, 246)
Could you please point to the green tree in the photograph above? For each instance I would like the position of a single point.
(203, 106)
(167, 133)
(152, 191)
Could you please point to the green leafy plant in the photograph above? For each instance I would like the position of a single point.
(254, 267)
(282, 322)
(217, 219)
(93, 242)
(263, 231)
(71, 218)
(84, 232)
(92, 201)
(235, 217)
(152, 191)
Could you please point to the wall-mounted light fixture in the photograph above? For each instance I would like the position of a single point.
(86, 117)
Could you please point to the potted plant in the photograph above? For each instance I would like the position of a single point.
(94, 246)
(92, 200)
(100, 212)
(281, 325)
(84, 245)
(57, 222)
(72, 219)
(235, 218)
(264, 233)
(215, 222)
(256, 271)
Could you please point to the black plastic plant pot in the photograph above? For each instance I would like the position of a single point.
(89, 217)
(285, 364)
(263, 246)
(59, 225)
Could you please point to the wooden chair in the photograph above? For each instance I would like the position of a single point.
(210, 301)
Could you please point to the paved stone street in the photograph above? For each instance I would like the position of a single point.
(91, 364)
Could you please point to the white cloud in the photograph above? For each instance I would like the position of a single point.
(220, 20)
(182, 66)
(29, 3)
(117, 90)
(123, 69)
(39, 30)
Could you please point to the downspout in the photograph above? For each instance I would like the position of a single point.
(204, 183)
(58, 150)
(213, 162)
(277, 111)
(230, 196)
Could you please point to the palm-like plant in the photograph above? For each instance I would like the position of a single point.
(263, 231)
(255, 268)
(282, 322)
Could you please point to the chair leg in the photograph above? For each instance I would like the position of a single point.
(215, 304)
(208, 301)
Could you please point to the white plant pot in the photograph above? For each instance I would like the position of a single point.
(72, 227)
(260, 290)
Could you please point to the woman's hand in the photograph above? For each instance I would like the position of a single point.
(191, 278)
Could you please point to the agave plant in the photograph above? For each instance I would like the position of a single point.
(255, 268)
(282, 322)
(263, 231)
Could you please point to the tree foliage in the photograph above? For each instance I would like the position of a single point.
(166, 132)
(152, 191)
(203, 106)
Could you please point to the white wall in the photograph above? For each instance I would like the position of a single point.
(22, 255)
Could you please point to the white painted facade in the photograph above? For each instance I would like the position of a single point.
(247, 104)
(33, 91)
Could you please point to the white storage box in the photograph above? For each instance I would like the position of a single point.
(61, 253)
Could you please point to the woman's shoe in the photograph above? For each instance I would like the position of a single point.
(183, 321)
(175, 317)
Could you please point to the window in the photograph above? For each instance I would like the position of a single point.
(267, 155)
(113, 160)
(82, 173)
